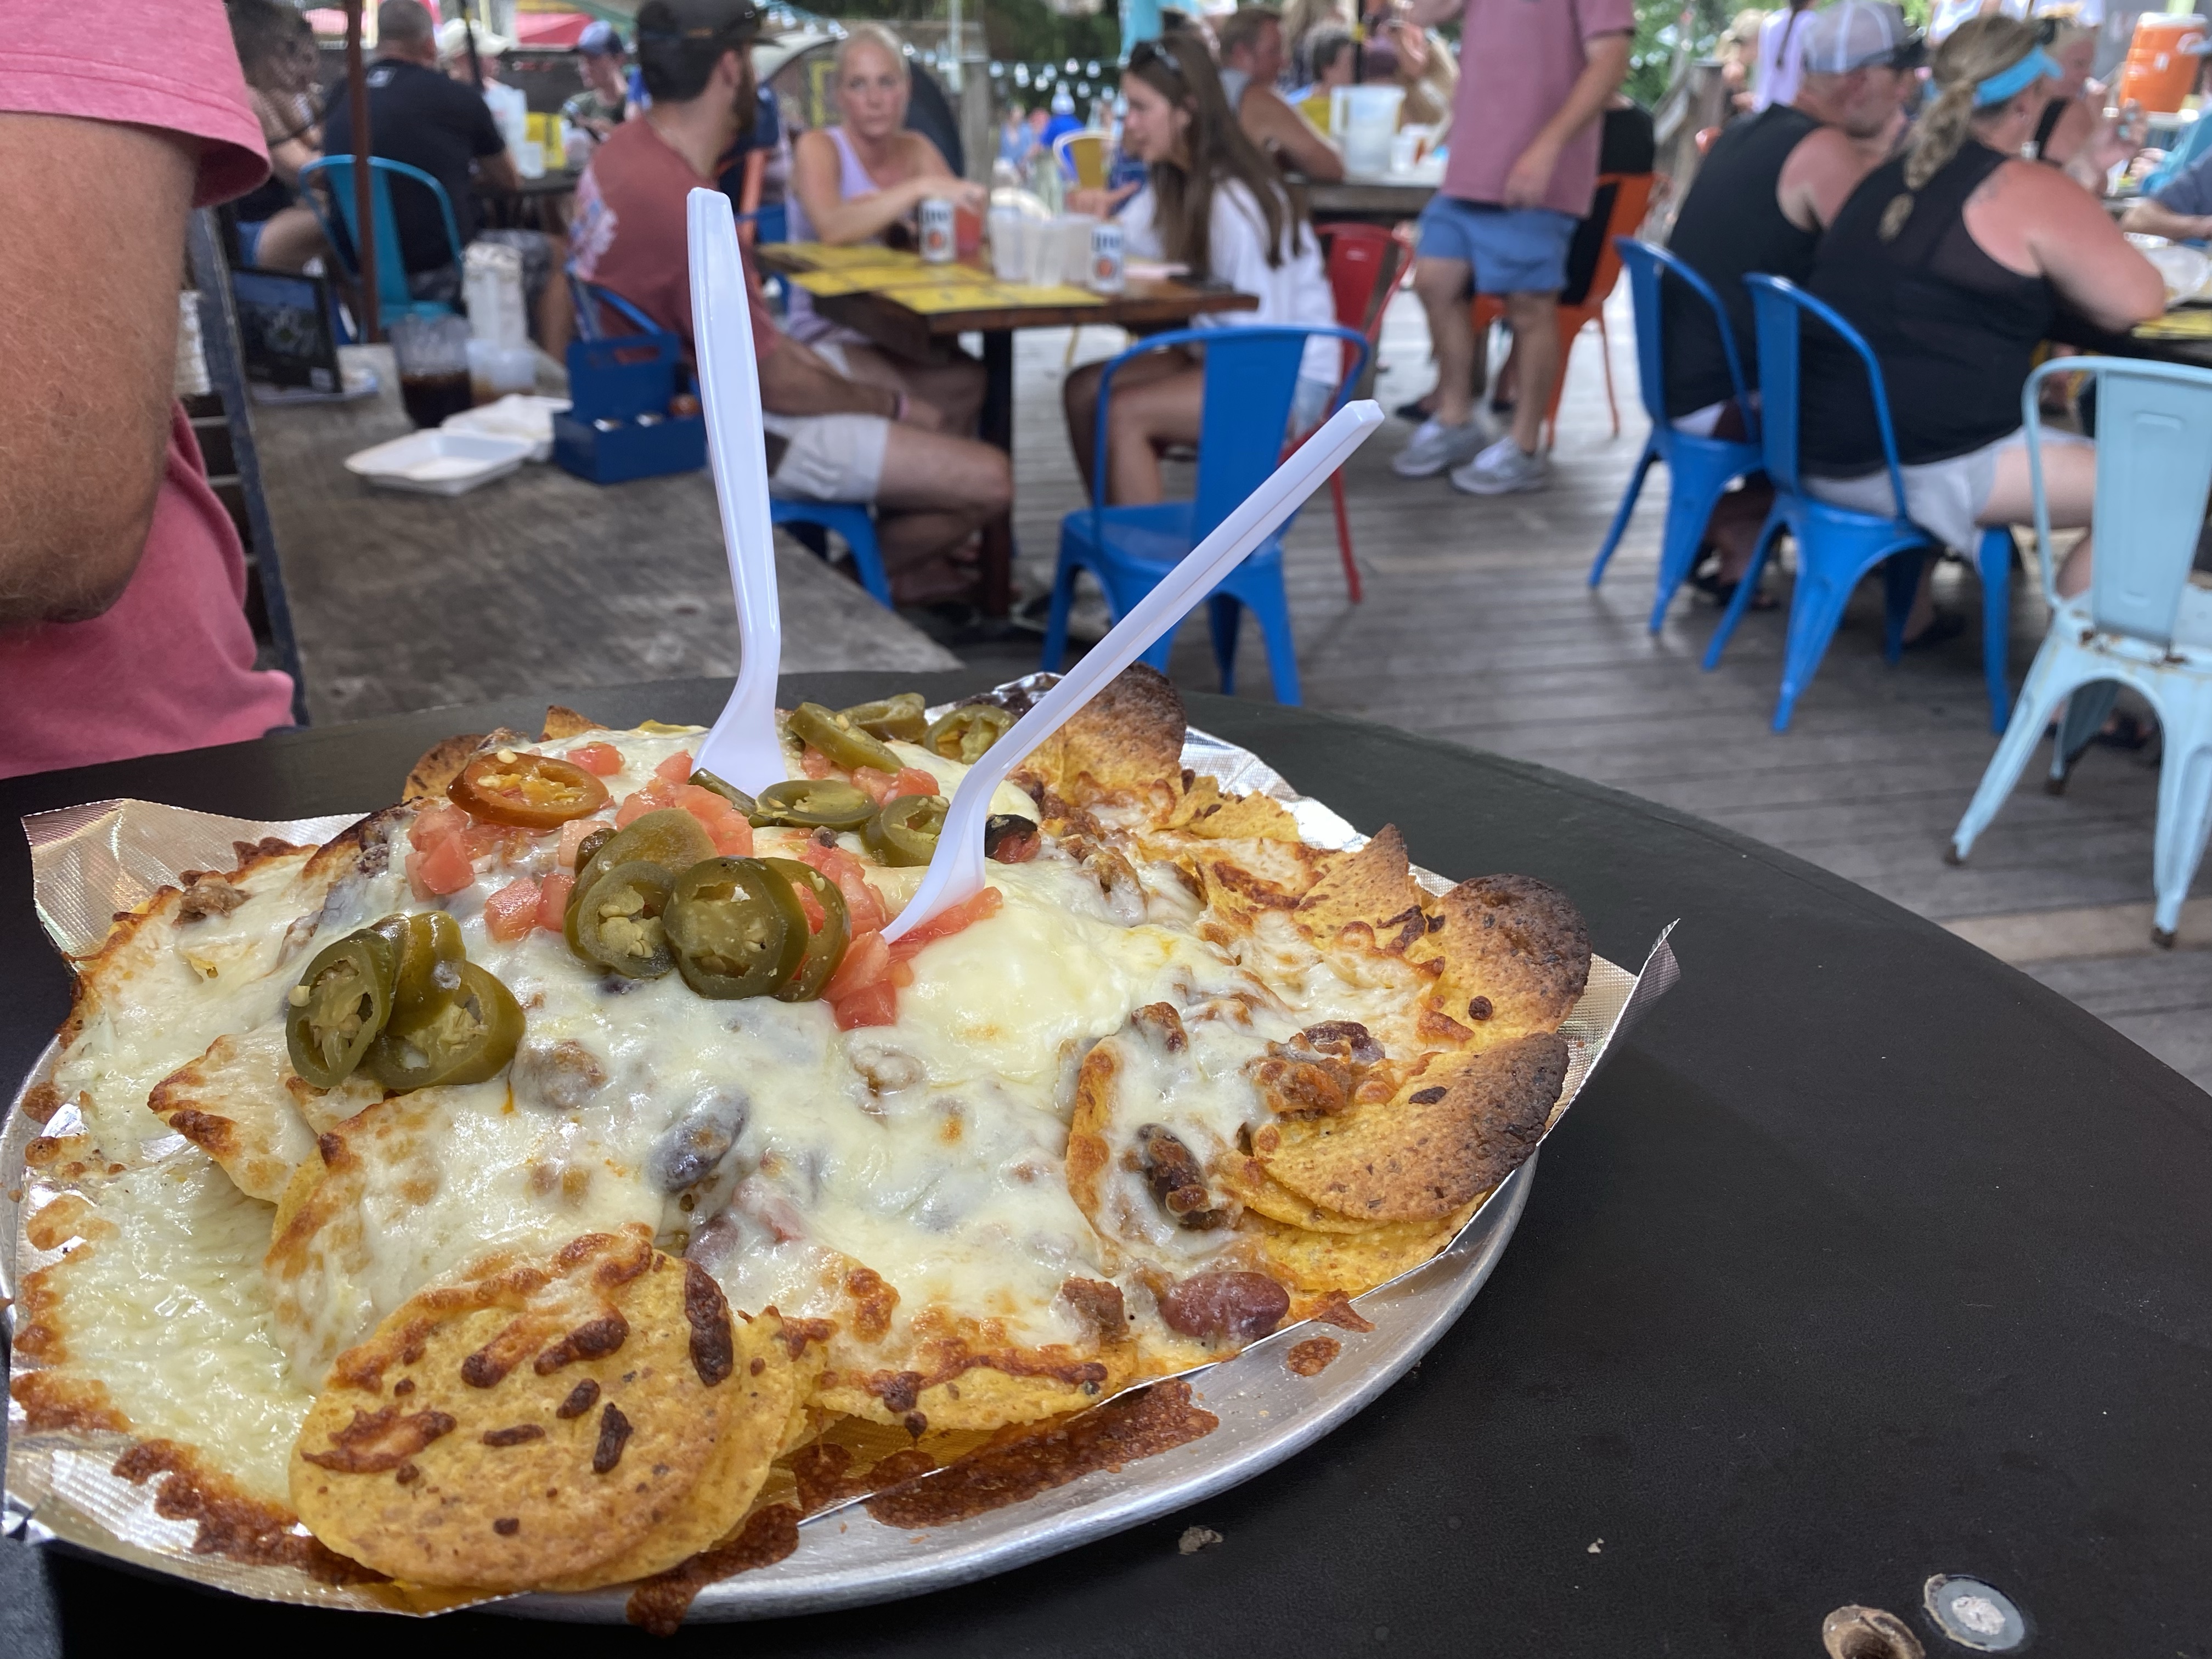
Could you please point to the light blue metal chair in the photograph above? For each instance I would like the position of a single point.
(1700, 469)
(392, 298)
(1251, 375)
(2142, 623)
(850, 519)
(1837, 546)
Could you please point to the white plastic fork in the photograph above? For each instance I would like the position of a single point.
(743, 749)
(955, 869)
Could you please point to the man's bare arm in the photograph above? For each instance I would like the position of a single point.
(1275, 126)
(2148, 217)
(89, 273)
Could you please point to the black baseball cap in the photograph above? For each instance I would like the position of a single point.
(683, 22)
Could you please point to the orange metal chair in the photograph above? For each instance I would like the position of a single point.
(1630, 202)
(1365, 265)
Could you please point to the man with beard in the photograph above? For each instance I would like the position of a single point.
(830, 437)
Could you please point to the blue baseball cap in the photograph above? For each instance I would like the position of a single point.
(599, 39)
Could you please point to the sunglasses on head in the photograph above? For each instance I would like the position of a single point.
(1146, 53)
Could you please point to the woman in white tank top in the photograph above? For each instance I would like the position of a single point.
(861, 181)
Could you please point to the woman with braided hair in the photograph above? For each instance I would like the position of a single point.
(1953, 261)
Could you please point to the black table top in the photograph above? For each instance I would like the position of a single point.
(1866, 1259)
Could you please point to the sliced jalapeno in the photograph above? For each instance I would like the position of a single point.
(672, 838)
(736, 929)
(900, 717)
(825, 948)
(836, 737)
(904, 833)
(728, 792)
(427, 954)
(964, 734)
(339, 1007)
(814, 804)
(470, 1037)
(536, 792)
(618, 923)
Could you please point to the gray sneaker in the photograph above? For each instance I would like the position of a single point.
(1434, 447)
(1501, 470)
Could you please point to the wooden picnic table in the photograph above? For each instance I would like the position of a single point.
(1144, 305)
(536, 581)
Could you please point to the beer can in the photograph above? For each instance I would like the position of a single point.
(1106, 257)
(937, 230)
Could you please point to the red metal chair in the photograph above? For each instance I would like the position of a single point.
(1365, 265)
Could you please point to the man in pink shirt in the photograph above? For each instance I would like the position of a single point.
(121, 577)
(1535, 76)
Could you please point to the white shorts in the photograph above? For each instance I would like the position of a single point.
(1945, 498)
(829, 458)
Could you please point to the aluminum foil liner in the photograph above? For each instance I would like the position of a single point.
(89, 862)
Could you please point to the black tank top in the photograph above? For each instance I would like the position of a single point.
(1955, 332)
(2053, 114)
(1729, 225)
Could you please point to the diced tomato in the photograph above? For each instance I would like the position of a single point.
(446, 868)
(947, 923)
(902, 973)
(732, 836)
(877, 786)
(553, 902)
(876, 1006)
(816, 915)
(653, 797)
(603, 758)
(863, 905)
(703, 805)
(867, 960)
(481, 841)
(434, 823)
(815, 763)
(572, 837)
(422, 895)
(676, 769)
(512, 912)
(912, 780)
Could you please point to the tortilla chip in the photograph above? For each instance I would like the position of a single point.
(1455, 1131)
(1247, 1181)
(1315, 1264)
(1126, 744)
(561, 723)
(1514, 957)
(1204, 810)
(440, 764)
(242, 1103)
(1373, 888)
(528, 1426)
(769, 1390)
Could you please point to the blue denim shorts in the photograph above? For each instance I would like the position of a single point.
(1513, 250)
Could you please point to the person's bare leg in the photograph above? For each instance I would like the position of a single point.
(936, 491)
(2069, 484)
(1078, 397)
(1534, 320)
(1442, 285)
(1165, 409)
(1734, 527)
(290, 238)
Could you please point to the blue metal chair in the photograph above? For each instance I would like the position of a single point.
(1837, 546)
(1701, 468)
(849, 520)
(2142, 623)
(1251, 375)
(392, 298)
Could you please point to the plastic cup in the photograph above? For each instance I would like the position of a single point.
(433, 357)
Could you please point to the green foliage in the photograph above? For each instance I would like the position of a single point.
(1014, 31)
(1667, 30)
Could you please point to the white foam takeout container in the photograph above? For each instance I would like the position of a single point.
(440, 463)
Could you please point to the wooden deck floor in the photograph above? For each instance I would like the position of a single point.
(1478, 626)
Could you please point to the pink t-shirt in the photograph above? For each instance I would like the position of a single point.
(170, 665)
(1518, 61)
